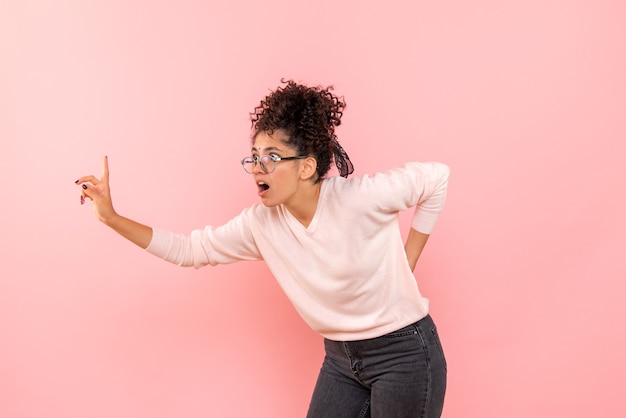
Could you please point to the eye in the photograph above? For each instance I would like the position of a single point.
(274, 157)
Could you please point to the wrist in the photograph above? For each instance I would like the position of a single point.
(110, 220)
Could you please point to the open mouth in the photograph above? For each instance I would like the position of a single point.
(263, 187)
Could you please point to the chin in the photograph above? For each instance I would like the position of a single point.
(269, 203)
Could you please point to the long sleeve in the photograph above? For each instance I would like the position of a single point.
(432, 199)
(224, 244)
(416, 184)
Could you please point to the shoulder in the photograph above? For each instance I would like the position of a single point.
(410, 171)
(430, 168)
(260, 216)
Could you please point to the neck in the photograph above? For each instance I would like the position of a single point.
(304, 205)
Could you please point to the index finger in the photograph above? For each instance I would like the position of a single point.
(105, 170)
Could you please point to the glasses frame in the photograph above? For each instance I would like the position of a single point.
(255, 159)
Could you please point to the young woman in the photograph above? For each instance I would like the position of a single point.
(335, 247)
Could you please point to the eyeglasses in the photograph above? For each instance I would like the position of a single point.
(267, 162)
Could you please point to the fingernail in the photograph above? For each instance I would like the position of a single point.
(82, 199)
(76, 182)
(84, 186)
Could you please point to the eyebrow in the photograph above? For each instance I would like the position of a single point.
(267, 149)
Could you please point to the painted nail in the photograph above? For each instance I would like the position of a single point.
(84, 186)
(76, 182)
(82, 199)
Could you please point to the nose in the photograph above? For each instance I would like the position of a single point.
(256, 168)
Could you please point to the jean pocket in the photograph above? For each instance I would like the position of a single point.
(402, 332)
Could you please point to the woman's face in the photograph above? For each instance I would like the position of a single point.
(281, 185)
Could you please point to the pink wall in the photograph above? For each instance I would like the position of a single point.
(526, 100)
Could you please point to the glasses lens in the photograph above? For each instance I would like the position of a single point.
(267, 163)
(248, 164)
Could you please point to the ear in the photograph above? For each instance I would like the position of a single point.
(308, 168)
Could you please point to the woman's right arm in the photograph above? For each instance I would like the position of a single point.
(100, 194)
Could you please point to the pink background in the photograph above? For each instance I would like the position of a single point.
(525, 100)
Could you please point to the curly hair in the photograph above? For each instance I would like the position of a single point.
(308, 117)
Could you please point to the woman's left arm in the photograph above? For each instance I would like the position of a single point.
(415, 243)
(433, 188)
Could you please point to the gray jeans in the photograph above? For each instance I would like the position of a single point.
(399, 375)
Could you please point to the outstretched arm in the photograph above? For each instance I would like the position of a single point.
(415, 243)
(98, 191)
